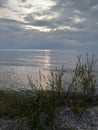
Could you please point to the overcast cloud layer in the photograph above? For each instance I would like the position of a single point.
(51, 24)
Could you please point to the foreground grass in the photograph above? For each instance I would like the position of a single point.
(12, 104)
(16, 106)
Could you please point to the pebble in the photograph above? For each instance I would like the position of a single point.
(65, 119)
(88, 120)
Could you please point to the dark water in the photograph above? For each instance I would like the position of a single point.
(15, 65)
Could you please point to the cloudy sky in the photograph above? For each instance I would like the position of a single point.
(49, 24)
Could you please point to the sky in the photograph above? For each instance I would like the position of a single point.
(49, 24)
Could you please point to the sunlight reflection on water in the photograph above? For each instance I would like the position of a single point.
(16, 65)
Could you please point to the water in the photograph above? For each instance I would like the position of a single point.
(15, 65)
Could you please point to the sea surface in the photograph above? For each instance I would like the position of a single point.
(17, 65)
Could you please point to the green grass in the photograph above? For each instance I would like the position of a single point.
(12, 104)
(37, 107)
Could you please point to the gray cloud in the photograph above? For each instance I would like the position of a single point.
(33, 22)
(10, 21)
(3, 2)
(84, 5)
(42, 23)
(23, 1)
(80, 19)
(10, 25)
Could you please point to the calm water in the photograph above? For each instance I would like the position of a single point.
(15, 65)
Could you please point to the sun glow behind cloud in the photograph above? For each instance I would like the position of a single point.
(47, 29)
(53, 15)
(38, 28)
(29, 11)
(78, 20)
(29, 6)
(18, 10)
(51, 23)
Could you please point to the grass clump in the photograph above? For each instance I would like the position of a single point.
(84, 83)
(12, 104)
(46, 100)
